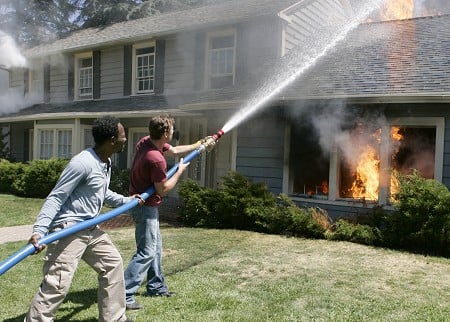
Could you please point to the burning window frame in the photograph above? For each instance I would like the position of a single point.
(386, 152)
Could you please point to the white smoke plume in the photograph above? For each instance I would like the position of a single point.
(10, 55)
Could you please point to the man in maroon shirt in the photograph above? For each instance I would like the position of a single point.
(149, 168)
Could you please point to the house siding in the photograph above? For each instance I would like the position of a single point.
(256, 48)
(260, 152)
(179, 64)
(112, 71)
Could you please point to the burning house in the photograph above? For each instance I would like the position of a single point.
(372, 103)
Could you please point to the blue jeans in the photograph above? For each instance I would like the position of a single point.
(148, 257)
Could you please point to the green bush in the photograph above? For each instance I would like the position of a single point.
(356, 233)
(421, 220)
(120, 180)
(39, 177)
(240, 204)
(9, 172)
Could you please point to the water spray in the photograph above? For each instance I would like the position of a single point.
(30, 249)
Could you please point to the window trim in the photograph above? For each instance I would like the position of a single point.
(55, 128)
(134, 90)
(214, 34)
(77, 68)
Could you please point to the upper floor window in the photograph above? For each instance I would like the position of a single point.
(220, 59)
(83, 76)
(144, 68)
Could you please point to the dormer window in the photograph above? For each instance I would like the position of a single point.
(221, 59)
(83, 77)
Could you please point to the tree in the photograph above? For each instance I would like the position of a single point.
(94, 13)
(31, 22)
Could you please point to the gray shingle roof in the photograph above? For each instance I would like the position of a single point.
(162, 24)
(396, 58)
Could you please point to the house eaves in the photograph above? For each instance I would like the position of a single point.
(226, 12)
(130, 107)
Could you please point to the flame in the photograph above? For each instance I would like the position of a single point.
(397, 9)
(367, 167)
(324, 186)
(366, 183)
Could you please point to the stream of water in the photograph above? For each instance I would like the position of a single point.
(319, 45)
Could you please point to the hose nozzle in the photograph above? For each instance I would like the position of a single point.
(217, 135)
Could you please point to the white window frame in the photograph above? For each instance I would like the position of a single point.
(134, 73)
(77, 74)
(208, 71)
(55, 144)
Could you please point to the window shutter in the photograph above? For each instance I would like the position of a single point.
(159, 66)
(96, 79)
(199, 62)
(71, 78)
(26, 81)
(127, 72)
(241, 62)
(47, 83)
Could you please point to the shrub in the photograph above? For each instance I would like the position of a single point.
(39, 177)
(240, 204)
(421, 220)
(120, 180)
(357, 233)
(9, 172)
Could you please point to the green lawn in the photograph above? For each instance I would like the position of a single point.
(18, 211)
(228, 275)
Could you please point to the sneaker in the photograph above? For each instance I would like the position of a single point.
(163, 294)
(134, 306)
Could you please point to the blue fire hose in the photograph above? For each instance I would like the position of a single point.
(29, 249)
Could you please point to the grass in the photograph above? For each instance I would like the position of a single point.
(228, 275)
(18, 211)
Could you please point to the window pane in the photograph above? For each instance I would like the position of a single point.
(309, 165)
(221, 61)
(85, 81)
(46, 144)
(88, 138)
(221, 42)
(145, 65)
(64, 144)
(85, 62)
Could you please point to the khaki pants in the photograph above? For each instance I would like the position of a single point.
(96, 248)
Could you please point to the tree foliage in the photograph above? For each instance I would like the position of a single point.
(31, 22)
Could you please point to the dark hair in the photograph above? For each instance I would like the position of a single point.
(104, 128)
(159, 125)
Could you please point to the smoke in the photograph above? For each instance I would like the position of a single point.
(342, 127)
(10, 55)
(13, 98)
